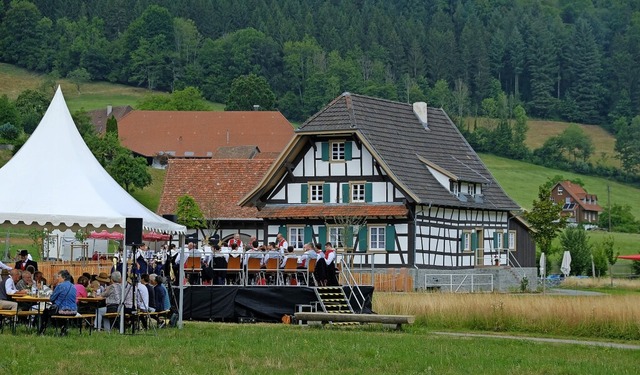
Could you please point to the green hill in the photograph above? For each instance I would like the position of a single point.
(92, 95)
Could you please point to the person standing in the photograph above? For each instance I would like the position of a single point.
(25, 261)
(282, 244)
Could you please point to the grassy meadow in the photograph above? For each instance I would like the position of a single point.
(150, 195)
(611, 317)
(92, 95)
(217, 348)
(541, 130)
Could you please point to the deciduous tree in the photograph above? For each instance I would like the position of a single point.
(545, 219)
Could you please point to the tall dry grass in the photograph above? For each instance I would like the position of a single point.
(612, 317)
(601, 283)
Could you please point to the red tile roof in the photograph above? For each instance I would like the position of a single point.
(578, 194)
(217, 185)
(329, 210)
(200, 133)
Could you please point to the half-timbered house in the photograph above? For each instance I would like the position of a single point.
(395, 180)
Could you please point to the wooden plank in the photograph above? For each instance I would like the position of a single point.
(363, 318)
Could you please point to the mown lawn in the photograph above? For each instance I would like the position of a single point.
(219, 348)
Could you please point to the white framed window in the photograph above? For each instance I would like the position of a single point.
(336, 236)
(357, 192)
(315, 193)
(377, 239)
(512, 240)
(560, 190)
(466, 241)
(453, 187)
(471, 189)
(337, 151)
(296, 237)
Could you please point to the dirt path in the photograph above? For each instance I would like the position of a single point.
(541, 339)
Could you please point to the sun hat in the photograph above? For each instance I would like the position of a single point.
(103, 277)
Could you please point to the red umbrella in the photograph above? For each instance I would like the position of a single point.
(154, 236)
(104, 235)
(630, 257)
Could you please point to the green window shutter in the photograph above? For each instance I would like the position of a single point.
(496, 240)
(283, 230)
(322, 234)
(474, 241)
(347, 150)
(363, 239)
(462, 243)
(308, 233)
(326, 193)
(505, 240)
(325, 151)
(304, 193)
(390, 237)
(368, 193)
(348, 234)
(345, 193)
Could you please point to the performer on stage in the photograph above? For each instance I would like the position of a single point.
(282, 244)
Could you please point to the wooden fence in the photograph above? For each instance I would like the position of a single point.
(75, 268)
(392, 280)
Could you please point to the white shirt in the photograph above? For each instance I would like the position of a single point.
(282, 246)
(4, 266)
(10, 286)
(304, 258)
(331, 257)
(142, 297)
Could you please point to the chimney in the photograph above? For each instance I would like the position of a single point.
(420, 110)
(109, 110)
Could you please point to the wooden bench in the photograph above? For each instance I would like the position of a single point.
(66, 319)
(395, 321)
(14, 315)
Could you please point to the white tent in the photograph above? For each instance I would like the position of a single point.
(54, 180)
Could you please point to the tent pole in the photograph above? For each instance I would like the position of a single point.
(181, 280)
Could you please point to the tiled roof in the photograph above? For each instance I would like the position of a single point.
(200, 134)
(216, 184)
(99, 116)
(330, 210)
(237, 152)
(396, 134)
(578, 193)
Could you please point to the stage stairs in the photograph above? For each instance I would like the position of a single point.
(338, 299)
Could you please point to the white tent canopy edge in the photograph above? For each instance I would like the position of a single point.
(33, 190)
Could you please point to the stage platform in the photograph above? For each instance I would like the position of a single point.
(252, 303)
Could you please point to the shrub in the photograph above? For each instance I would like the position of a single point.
(9, 132)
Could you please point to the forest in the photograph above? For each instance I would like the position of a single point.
(571, 60)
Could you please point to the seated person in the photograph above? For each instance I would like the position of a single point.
(8, 288)
(26, 282)
(81, 287)
(63, 300)
(39, 279)
(309, 253)
(113, 294)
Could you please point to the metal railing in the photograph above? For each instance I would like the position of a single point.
(456, 282)
(350, 282)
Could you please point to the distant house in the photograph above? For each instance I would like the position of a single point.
(159, 135)
(217, 185)
(393, 180)
(578, 206)
(99, 117)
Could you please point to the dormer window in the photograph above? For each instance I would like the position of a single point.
(453, 187)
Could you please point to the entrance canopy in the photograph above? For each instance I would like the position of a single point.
(54, 180)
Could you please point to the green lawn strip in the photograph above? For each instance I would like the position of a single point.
(203, 348)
